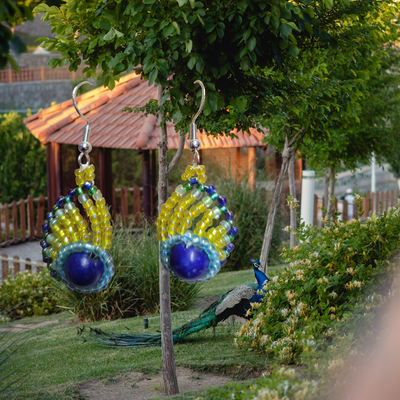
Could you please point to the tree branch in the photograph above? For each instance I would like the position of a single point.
(178, 154)
(295, 137)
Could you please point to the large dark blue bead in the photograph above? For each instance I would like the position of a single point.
(83, 271)
(45, 259)
(43, 244)
(230, 247)
(210, 189)
(49, 215)
(188, 263)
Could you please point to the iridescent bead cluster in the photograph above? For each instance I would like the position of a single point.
(191, 200)
(65, 226)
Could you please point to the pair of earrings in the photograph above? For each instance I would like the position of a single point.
(77, 254)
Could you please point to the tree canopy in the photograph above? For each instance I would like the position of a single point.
(178, 41)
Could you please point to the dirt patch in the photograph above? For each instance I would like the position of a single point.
(140, 386)
(28, 327)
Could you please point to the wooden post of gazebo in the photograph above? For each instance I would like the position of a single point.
(252, 159)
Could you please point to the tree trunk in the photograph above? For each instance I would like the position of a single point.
(292, 191)
(286, 155)
(326, 191)
(167, 344)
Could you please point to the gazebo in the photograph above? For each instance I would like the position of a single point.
(113, 129)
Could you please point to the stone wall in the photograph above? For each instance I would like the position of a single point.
(34, 95)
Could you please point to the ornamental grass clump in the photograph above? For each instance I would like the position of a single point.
(334, 270)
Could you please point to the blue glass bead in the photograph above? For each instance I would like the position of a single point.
(230, 247)
(43, 244)
(223, 209)
(49, 215)
(45, 259)
(72, 193)
(83, 271)
(210, 189)
(45, 227)
(233, 231)
(223, 261)
(188, 263)
(221, 200)
(60, 201)
(194, 181)
(229, 215)
(87, 186)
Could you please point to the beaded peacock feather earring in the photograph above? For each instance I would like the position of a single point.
(195, 256)
(75, 253)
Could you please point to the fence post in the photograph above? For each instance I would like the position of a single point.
(315, 217)
(4, 267)
(16, 265)
(31, 218)
(7, 223)
(136, 204)
(28, 267)
(366, 201)
(124, 205)
(22, 215)
(42, 77)
(10, 75)
(345, 212)
(14, 213)
(40, 216)
(372, 202)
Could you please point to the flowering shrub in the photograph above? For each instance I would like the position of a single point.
(334, 269)
(27, 294)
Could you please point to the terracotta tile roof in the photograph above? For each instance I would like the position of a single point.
(115, 129)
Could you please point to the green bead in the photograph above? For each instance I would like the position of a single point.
(55, 208)
(201, 187)
(231, 237)
(67, 199)
(187, 186)
(223, 209)
(92, 190)
(79, 190)
(227, 253)
(214, 196)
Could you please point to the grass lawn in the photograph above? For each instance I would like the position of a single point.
(54, 359)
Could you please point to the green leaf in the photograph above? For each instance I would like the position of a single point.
(54, 62)
(153, 76)
(189, 46)
(251, 44)
(182, 2)
(176, 26)
(110, 35)
(245, 63)
(191, 63)
(293, 50)
(192, 3)
(177, 117)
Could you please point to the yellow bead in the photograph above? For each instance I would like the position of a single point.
(56, 228)
(222, 255)
(108, 230)
(96, 240)
(203, 178)
(88, 204)
(182, 230)
(201, 207)
(105, 223)
(90, 169)
(82, 225)
(189, 170)
(221, 230)
(208, 214)
(79, 172)
(64, 240)
(201, 170)
(184, 177)
(90, 177)
(170, 203)
(75, 211)
(161, 237)
(86, 237)
(106, 216)
(165, 209)
(54, 254)
(171, 229)
(101, 202)
(75, 237)
(162, 222)
(107, 245)
(79, 180)
(57, 244)
(176, 197)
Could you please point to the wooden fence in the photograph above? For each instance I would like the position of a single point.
(11, 266)
(26, 74)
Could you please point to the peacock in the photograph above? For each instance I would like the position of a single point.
(235, 302)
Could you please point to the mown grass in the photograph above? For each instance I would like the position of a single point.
(55, 359)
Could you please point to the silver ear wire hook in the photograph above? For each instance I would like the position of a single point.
(194, 144)
(85, 147)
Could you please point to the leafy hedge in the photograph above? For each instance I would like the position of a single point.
(28, 294)
(334, 269)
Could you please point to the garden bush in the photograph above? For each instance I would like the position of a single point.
(134, 289)
(330, 273)
(28, 294)
(250, 208)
